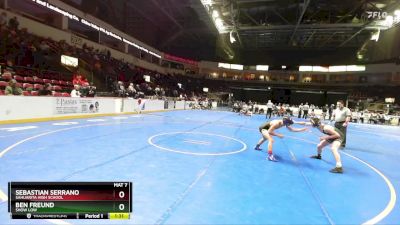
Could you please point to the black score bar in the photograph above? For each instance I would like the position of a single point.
(89, 216)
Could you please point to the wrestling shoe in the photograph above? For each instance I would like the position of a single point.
(336, 170)
(272, 158)
(316, 157)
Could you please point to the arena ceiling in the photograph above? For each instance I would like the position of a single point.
(187, 28)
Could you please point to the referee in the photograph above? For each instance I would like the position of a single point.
(270, 105)
(342, 116)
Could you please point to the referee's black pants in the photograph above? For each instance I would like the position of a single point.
(269, 113)
(339, 125)
(305, 114)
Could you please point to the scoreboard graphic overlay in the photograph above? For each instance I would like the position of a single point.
(70, 200)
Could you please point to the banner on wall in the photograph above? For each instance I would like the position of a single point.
(75, 105)
(76, 40)
(169, 104)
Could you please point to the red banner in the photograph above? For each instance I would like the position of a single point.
(181, 60)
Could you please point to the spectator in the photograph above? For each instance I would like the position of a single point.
(75, 92)
(270, 106)
(330, 110)
(306, 107)
(44, 46)
(300, 110)
(80, 80)
(46, 90)
(121, 89)
(324, 110)
(92, 91)
(3, 19)
(9, 67)
(131, 91)
(12, 88)
(13, 23)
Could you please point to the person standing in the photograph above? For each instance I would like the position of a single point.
(324, 110)
(270, 105)
(331, 111)
(300, 110)
(306, 107)
(342, 116)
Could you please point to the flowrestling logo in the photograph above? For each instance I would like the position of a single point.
(376, 15)
(385, 19)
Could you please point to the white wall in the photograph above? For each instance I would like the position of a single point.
(151, 105)
(32, 107)
(17, 107)
(180, 104)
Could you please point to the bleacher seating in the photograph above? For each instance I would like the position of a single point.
(38, 80)
(6, 76)
(55, 82)
(3, 84)
(27, 86)
(32, 78)
(19, 78)
(56, 88)
(57, 94)
(37, 86)
(29, 79)
(46, 81)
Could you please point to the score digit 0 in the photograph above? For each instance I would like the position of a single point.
(121, 194)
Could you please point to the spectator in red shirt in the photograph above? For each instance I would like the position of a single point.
(80, 80)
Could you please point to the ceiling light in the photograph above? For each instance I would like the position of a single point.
(231, 37)
(206, 2)
(389, 21)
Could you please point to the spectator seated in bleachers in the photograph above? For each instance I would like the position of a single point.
(38, 53)
(132, 91)
(46, 90)
(13, 23)
(91, 91)
(3, 19)
(75, 93)
(12, 88)
(80, 80)
(120, 89)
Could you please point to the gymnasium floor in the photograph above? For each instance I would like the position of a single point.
(199, 167)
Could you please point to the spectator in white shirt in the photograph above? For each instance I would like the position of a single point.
(300, 110)
(306, 107)
(75, 92)
(270, 105)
